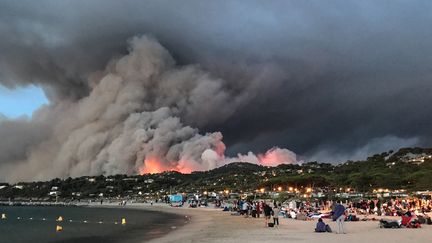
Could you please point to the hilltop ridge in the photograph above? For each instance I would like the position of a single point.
(407, 168)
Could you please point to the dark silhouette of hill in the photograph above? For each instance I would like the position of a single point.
(407, 168)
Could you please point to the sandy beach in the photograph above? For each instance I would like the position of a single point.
(213, 225)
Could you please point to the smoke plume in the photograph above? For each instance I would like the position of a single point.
(131, 122)
(330, 80)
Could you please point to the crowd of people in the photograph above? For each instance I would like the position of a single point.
(391, 207)
(257, 209)
(409, 209)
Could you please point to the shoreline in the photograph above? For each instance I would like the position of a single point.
(212, 225)
(195, 220)
(84, 224)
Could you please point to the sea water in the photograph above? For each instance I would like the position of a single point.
(83, 224)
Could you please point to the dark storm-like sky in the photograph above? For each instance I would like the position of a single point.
(338, 79)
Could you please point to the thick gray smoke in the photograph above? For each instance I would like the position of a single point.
(331, 80)
(131, 122)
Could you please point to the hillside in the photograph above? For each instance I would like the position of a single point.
(392, 170)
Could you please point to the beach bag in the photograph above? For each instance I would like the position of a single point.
(428, 220)
(328, 229)
(270, 224)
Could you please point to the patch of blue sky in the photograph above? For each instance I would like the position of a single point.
(22, 101)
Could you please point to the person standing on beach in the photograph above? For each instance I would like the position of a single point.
(245, 206)
(254, 209)
(339, 216)
(259, 209)
(267, 213)
(276, 211)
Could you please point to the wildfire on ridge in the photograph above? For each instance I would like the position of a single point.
(273, 157)
(276, 156)
(220, 149)
(183, 168)
(153, 165)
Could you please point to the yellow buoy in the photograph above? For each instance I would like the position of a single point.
(123, 221)
(59, 219)
(59, 228)
(3, 216)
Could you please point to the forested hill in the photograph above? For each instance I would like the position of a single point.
(407, 168)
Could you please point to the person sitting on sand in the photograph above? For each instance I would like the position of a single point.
(320, 226)
(301, 215)
(410, 220)
(292, 214)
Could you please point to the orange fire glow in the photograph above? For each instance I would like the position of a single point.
(269, 159)
(182, 167)
(274, 157)
(152, 165)
(220, 149)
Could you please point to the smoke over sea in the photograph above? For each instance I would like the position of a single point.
(138, 117)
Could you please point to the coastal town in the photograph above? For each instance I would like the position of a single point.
(313, 182)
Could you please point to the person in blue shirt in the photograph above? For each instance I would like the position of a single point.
(320, 226)
(339, 217)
